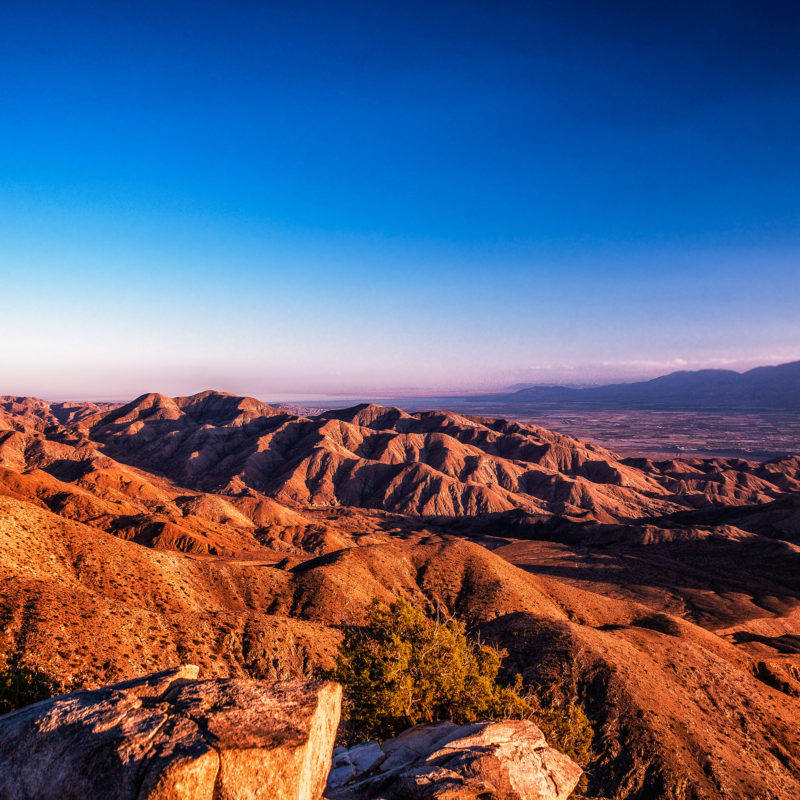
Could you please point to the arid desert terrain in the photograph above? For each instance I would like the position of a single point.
(661, 595)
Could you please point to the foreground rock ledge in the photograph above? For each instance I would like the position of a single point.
(499, 760)
(170, 736)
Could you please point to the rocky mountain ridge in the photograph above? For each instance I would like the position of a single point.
(769, 387)
(662, 596)
(218, 474)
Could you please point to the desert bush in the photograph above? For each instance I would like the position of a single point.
(570, 731)
(403, 668)
(21, 685)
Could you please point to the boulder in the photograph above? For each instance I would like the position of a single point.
(170, 736)
(352, 763)
(508, 760)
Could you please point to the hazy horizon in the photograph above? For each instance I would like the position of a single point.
(368, 200)
(260, 389)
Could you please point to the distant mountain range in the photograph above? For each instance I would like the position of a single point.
(763, 388)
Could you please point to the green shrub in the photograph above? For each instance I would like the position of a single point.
(403, 668)
(570, 731)
(21, 685)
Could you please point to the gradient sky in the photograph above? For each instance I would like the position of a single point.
(292, 198)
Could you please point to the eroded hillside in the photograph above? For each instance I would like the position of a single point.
(664, 596)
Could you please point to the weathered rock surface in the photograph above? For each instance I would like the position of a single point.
(500, 760)
(170, 736)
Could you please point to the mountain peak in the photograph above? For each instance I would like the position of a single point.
(368, 415)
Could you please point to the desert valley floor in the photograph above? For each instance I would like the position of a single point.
(663, 595)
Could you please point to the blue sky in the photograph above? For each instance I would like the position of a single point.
(371, 197)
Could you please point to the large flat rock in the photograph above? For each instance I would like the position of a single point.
(170, 736)
(508, 760)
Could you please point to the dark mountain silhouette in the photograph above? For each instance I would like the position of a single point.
(763, 388)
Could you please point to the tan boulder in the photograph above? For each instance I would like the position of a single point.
(507, 760)
(172, 737)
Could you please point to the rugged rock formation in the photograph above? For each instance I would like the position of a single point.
(502, 760)
(683, 652)
(216, 474)
(679, 632)
(171, 737)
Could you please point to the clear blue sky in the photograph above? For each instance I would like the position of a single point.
(368, 197)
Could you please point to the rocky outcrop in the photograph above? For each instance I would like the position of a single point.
(170, 736)
(503, 760)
